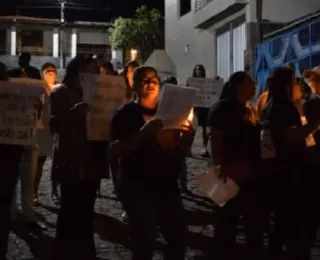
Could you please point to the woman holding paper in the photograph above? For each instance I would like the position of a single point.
(235, 152)
(149, 189)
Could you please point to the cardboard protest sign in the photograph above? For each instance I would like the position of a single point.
(209, 90)
(103, 94)
(175, 104)
(20, 109)
(44, 89)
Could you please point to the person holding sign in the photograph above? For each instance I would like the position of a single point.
(202, 112)
(28, 165)
(235, 148)
(10, 157)
(149, 189)
(76, 166)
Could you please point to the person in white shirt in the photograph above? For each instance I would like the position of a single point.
(45, 139)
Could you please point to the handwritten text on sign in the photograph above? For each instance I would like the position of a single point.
(104, 94)
(19, 114)
(209, 90)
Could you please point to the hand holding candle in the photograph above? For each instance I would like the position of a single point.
(178, 141)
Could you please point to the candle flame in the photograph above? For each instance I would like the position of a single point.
(191, 114)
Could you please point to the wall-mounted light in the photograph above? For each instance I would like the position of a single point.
(186, 48)
(133, 54)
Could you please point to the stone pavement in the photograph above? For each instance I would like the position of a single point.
(111, 234)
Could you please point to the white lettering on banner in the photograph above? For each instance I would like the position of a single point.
(103, 94)
(209, 90)
(175, 104)
(19, 112)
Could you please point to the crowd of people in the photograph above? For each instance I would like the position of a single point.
(270, 150)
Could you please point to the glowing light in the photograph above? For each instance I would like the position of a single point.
(191, 115)
(133, 54)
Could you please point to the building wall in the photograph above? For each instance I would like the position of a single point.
(288, 10)
(96, 37)
(180, 33)
(87, 36)
(185, 45)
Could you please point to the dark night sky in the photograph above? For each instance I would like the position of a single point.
(91, 10)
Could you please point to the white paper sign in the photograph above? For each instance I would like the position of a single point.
(175, 104)
(19, 112)
(209, 90)
(218, 190)
(103, 94)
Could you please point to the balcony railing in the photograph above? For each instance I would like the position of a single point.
(199, 4)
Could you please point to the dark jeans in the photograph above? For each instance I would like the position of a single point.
(147, 212)
(283, 189)
(54, 174)
(311, 210)
(244, 204)
(183, 176)
(10, 157)
(75, 225)
(37, 179)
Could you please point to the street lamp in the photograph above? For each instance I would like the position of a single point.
(133, 54)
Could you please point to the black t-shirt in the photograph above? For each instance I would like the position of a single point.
(240, 136)
(280, 116)
(148, 167)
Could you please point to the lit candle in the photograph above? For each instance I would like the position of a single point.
(191, 114)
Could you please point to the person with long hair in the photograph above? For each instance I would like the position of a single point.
(11, 156)
(235, 148)
(77, 168)
(283, 116)
(149, 189)
(128, 77)
(202, 112)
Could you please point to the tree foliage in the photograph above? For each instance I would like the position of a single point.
(141, 32)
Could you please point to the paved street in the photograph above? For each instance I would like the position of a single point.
(111, 234)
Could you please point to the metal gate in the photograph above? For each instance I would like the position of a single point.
(300, 47)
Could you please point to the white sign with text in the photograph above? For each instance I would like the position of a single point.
(103, 94)
(209, 90)
(20, 111)
(175, 104)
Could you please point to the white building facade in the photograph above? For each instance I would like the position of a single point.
(47, 41)
(219, 33)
